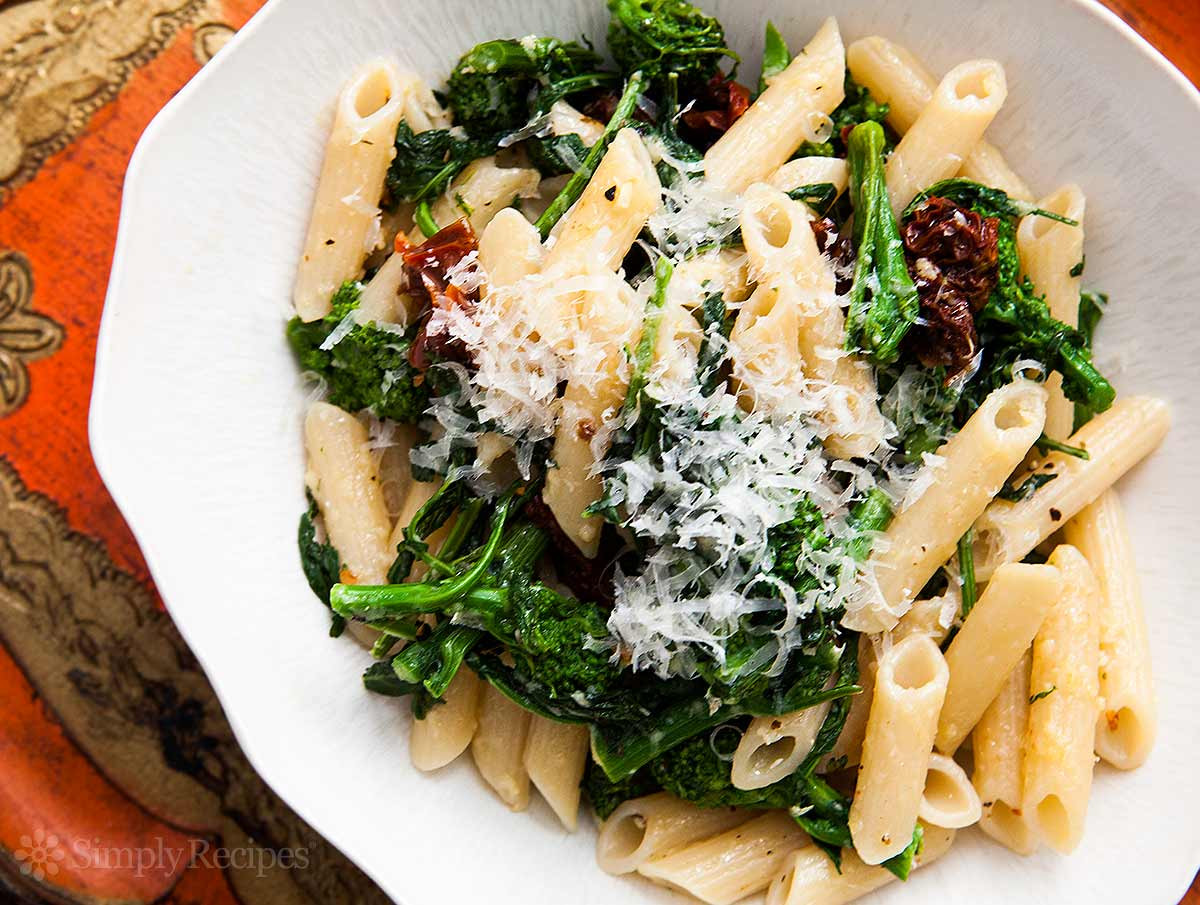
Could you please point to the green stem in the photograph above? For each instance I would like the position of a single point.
(966, 571)
(423, 217)
(622, 751)
(579, 180)
(378, 601)
(1044, 443)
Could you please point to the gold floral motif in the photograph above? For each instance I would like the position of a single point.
(25, 335)
(62, 60)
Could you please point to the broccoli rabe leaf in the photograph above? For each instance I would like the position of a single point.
(658, 37)
(367, 368)
(492, 86)
(320, 562)
(425, 162)
(606, 796)
(883, 299)
(775, 57)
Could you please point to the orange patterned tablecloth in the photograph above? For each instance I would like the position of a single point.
(120, 780)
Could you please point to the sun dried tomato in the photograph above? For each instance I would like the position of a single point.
(713, 110)
(839, 246)
(953, 256)
(427, 266)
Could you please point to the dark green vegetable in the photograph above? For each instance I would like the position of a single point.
(492, 86)
(775, 56)
(883, 299)
(966, 571)
(658, 37)
(716, 321)
(425, 162)
(579, 180)
(1091, 309)
(1044, 444)
(606, 796)
(320, 562)
(368, 368)
(983, 199)
(423, 217)
(1034, 698)
(1026, 488)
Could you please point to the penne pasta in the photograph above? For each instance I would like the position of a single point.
(480, 192)
(991, 642)
(970, 468)
(498, 747)
(555, 756)
(1115, 441)
(809, 876)
(448, 727)
(804, 171)
(948, 800)
(643, 828)
(997, 743)
(737, 863)
(1050, 252)
(910, 686)
(344, 479)
(773, 747)
(793, 109)
(610, 213)
(948, 128)
(344, 226)
(1128, 716)
(1064, 695)
(896, 77)
(847, 750)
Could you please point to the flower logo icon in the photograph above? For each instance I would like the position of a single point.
(39, 856)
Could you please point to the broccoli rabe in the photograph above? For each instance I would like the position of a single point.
(791, 540)
(367, 368)
(883, 300)
(659, 37)
(556, 641)
(492, 86)
(425, 162)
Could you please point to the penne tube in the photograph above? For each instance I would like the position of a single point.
(655, 825)
(948, 800)
(735, 864)
(480, 192)
(498, 747)
(795, 108)
(809, 877)
(997, 742)
(448, 728)
(949, 127)
(991, 643)
(383, 299)
(773, 747)
(590, 403)
(971, 466)
(1064, 694)
(896, 77)
(726, 271)
(1049, 252)
(1128, 716)
(1115, 441)
(344, 479)
(344, 226)
(811, 171)
(910, 686)
(510, 248)
(599, 230)
(555, 756)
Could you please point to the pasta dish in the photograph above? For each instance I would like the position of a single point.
(731, 458)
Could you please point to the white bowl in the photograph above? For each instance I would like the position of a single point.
(196, 411)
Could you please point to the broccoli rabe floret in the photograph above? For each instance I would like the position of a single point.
(606, 795)
(557, 642)
(368, 368)
(659, 37)
(790, 541)
(491, 88)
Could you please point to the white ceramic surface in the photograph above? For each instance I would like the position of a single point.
(195, 419)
